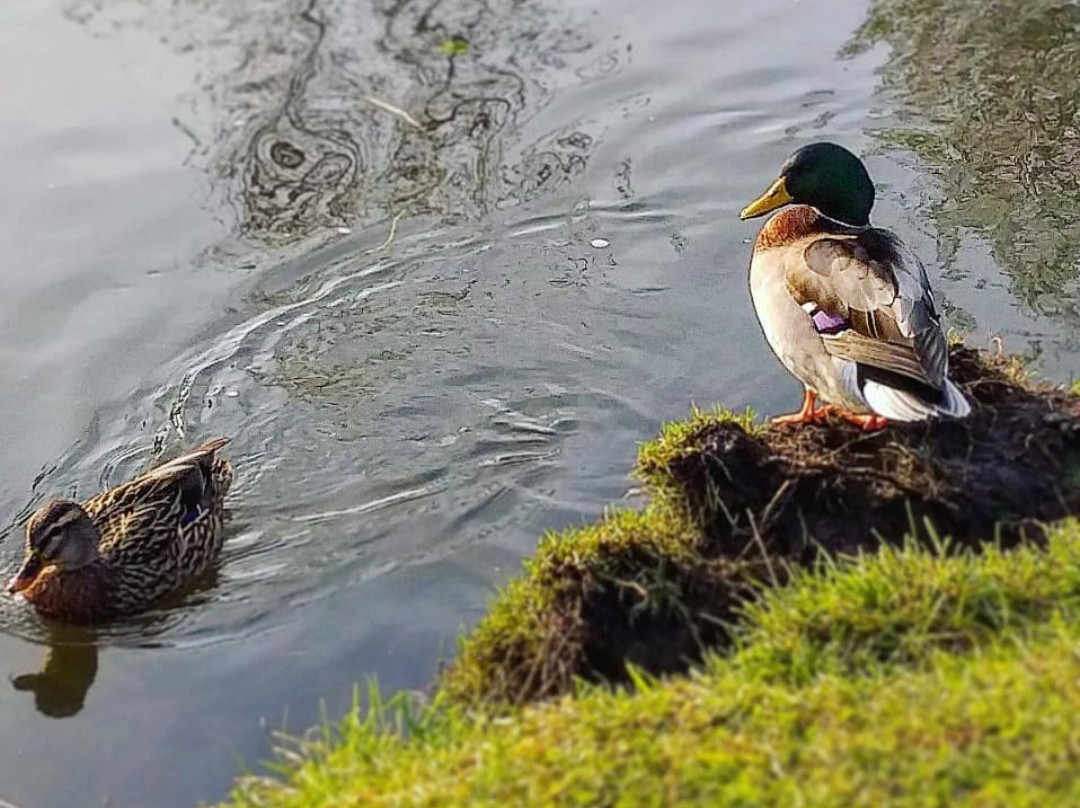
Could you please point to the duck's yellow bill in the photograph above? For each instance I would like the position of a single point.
(776, 197)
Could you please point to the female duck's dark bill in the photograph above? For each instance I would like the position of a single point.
(26, 575)
(775, 197)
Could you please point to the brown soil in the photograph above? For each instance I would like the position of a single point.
(997, 475)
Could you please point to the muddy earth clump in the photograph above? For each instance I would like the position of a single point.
(796, 491)
(736, 507)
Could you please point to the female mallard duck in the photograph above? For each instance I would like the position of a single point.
(845, 306)
(128, 546)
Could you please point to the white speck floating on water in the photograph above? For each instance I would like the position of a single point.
(600, 243)
(232, 393)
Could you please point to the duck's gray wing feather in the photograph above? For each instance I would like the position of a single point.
(871, 301)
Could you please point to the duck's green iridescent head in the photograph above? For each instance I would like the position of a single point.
(824, 175)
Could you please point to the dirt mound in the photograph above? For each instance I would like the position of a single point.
(999, 474)
(735, 506)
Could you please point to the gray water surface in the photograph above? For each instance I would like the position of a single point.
(359, 238)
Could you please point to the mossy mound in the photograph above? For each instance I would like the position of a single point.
(1001, 473)
(909, 678)
(737, 506)
(635, 589)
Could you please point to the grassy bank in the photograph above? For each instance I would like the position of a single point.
(910, 678)
(782, 624)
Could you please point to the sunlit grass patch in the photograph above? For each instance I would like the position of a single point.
(977, 710)
(901, 606)
(680, 439)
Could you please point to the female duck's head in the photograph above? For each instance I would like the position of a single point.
(826, 176)
(61, 534)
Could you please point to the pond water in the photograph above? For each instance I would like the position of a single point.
(436, 268)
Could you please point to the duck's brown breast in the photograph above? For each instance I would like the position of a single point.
(80, 595)
(790, 225)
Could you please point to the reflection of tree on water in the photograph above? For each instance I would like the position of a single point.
(299, 95)
(296, 172)
(989, 97)
(323, 153)
(71, 663)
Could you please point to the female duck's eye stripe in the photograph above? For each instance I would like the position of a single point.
(51, 532)
(49, 545)
(64, 521)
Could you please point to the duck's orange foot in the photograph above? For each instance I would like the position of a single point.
(868, 421)
(807, 414)
(810, 414)
(800, 417)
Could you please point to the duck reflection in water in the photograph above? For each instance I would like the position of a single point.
(71, 663)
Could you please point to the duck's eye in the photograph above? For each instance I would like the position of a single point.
(49, 544)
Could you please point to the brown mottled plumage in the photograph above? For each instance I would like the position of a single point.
(127, 547)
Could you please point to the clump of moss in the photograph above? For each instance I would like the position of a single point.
(736, 506)
(634, 589)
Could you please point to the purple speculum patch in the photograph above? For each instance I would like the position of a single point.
(828, 323)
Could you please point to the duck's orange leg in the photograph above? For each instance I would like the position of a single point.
(867, 421)
(807, 414)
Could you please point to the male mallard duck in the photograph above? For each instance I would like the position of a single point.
(128, 546)
(845, 306)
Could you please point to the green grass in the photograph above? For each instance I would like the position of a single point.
(901, 606)
(922, 674)
(678, 440)
(909, 678)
